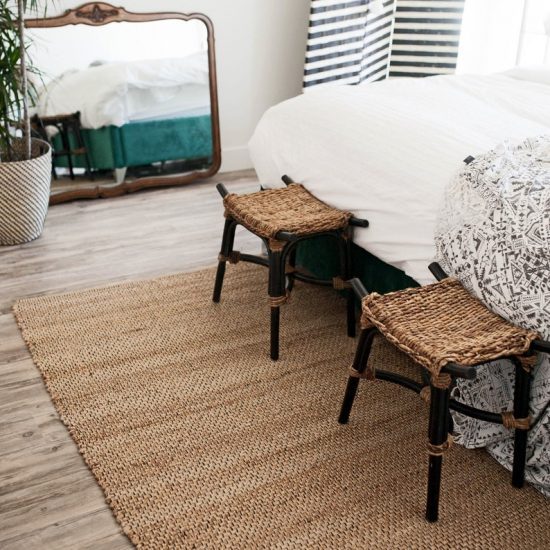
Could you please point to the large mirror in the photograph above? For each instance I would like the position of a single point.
(127, 100)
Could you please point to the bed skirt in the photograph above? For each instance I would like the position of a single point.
(142, 143)
(320, 257)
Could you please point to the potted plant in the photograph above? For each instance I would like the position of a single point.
(25, 163)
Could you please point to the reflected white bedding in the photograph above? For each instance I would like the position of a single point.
(387, 150)
(118, 93)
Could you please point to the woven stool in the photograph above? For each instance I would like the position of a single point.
(283, 218)
(69, 129)
(449, 333)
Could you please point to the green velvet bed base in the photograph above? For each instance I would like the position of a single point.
(142, 143)
(320, 257)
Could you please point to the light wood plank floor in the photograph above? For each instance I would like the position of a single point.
(48, 497)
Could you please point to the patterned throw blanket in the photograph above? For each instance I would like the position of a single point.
(493, 234)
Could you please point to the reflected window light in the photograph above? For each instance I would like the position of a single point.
(499, 34)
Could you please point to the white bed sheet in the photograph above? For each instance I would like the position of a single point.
(118, 93)
(181, 101)
(387, 150)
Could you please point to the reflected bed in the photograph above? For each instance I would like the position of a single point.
(136, 113)
(146, 142)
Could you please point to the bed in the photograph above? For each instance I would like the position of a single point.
(136, 113)
(387, 150)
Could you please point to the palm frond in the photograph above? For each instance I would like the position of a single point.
(16, 93)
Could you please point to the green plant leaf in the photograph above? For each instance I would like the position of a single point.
(12, 47)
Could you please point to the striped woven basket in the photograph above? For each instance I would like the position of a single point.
(24, 194)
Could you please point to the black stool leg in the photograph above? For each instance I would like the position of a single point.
(522, 396)
(346, 274)
(351, 295)
(277, 294)
(274, 340)
(82, 145)
(227, 247)
(351, 313)
(65, 140)
(438, 436)
(292, 265)
(360, 361)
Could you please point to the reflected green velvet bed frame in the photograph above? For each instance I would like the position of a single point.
(320, 257)
(142, 143)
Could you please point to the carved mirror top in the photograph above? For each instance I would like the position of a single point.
(101, 13)
(98, 13)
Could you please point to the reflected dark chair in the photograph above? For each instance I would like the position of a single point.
(69, 130)
(444, 329)
(283, 218)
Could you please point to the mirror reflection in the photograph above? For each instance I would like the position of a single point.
(124, 100)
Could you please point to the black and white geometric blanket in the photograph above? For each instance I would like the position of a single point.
(493, 234)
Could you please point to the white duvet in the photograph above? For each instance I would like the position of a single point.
(118, 93)
(387, 150)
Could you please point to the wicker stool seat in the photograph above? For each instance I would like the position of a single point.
(292, 209)
(449, 333)
(443, 323)
(283, 218)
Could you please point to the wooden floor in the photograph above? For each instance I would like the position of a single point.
(48, 497)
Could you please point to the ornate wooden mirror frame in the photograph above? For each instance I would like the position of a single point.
(97, 14)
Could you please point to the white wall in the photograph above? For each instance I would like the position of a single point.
(534, 46)
(490, 35)
(59, 49)
(260, 47)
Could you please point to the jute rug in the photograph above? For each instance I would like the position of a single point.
(200, 441)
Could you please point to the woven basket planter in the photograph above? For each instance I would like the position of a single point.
(24, 194)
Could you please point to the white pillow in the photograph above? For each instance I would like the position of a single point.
(534, 73)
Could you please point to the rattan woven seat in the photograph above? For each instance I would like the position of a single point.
(443, 323)
(292, 209)
(443, 328)
(283, 218)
